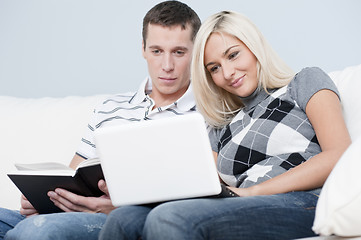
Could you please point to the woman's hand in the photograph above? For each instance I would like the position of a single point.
(244, 192)
(70, 202)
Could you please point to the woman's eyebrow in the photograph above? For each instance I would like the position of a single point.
(229, 49)
(224, 54)
(210, 63)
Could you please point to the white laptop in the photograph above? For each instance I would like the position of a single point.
(157, 160)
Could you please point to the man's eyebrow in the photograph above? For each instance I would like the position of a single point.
(181, 48)
(174, 48)
(154, 46)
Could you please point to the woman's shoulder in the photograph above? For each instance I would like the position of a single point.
(307, 82)
(310, 74)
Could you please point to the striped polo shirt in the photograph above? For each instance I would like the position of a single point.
(131, 107)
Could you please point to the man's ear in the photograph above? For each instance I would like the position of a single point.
(143, 49)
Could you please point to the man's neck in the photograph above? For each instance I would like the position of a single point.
(161, 100)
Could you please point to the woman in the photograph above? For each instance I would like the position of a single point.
(276, 136)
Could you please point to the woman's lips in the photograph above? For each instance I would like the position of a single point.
(237, 82)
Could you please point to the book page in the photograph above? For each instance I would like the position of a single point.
(44, 172)
(41, 166)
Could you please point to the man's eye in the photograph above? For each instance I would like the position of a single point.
(156, 52)
(179, 53)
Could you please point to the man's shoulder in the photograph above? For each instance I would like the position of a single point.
(116, 100)
(127, 96)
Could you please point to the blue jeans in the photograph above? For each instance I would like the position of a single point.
(281, 216)
(8, 220)
(72, 225)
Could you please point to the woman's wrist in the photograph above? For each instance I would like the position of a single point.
(255, 190)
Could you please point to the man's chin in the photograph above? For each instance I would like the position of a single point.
(171, 91)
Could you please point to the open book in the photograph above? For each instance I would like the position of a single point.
(37, 179)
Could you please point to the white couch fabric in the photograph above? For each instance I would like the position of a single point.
(339, 206)
(39, 130)
(348, 82)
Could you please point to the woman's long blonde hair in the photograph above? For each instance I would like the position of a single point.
(217, 105)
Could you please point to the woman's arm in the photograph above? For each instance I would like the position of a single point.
(325, 114)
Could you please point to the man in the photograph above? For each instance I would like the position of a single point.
(169, 29)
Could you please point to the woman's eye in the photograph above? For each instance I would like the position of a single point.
(233, 55)
(213, 69)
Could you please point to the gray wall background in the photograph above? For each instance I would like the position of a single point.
(56, 48)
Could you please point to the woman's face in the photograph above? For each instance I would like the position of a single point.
(231, 64)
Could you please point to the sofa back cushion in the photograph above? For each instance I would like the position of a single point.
(348, 82)
(338, 209)
(39, 130)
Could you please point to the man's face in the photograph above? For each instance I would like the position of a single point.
(168, 52)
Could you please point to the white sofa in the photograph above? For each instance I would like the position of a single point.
(49, 129)
(39, 130)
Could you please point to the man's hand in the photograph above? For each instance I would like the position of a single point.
(27, 208)
(70, 202)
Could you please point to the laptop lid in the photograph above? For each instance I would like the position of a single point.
(157, 160)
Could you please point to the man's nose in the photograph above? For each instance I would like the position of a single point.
(167, 63)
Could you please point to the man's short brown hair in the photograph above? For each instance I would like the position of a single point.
(171, 13)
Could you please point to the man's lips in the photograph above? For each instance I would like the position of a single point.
(237, 82)
(167, 79)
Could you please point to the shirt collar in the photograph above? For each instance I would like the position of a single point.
(144, 89)
(184, 103)
(255, 98)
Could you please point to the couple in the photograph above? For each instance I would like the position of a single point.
(273, 141)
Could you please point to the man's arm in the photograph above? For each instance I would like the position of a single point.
(76, 161)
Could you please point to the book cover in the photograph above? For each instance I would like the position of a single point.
(36, 180)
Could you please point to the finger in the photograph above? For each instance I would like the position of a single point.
(30, 215)
(103, 187)
(62, 206)
(24, 201)
(63, 203)
(26, 205)
(28, 212)
(68, 201)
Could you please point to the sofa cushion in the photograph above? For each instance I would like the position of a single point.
(39, 130)
(338, 209)
(348, 82)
